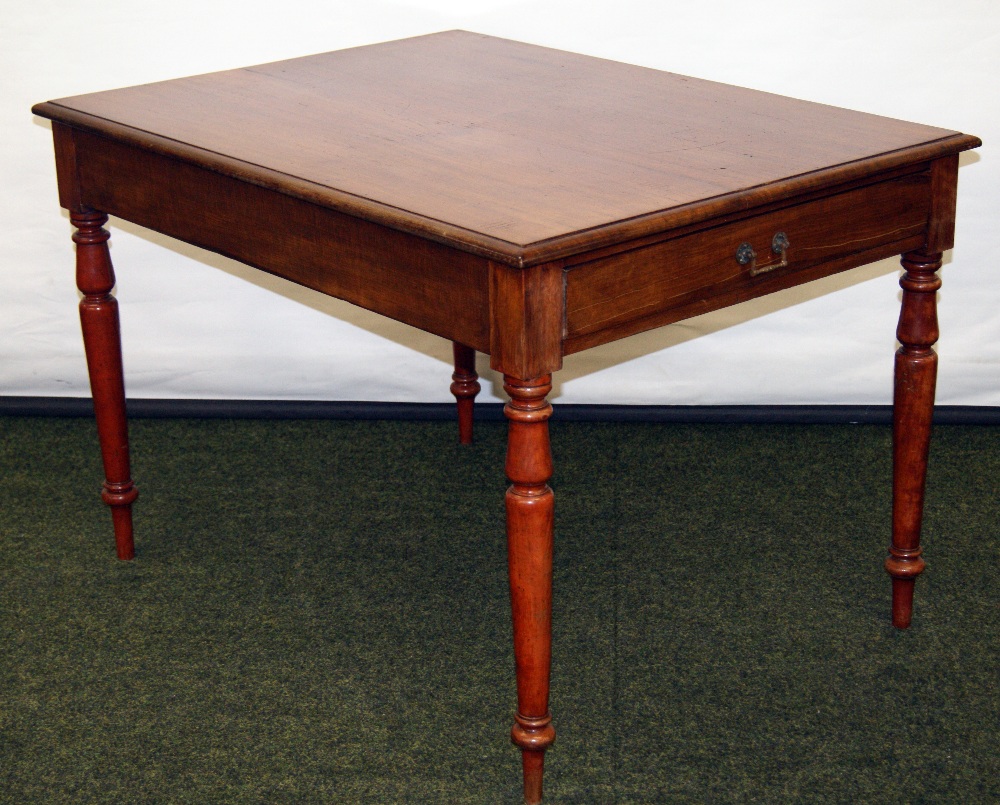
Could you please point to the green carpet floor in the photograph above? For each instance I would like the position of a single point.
(318, 613)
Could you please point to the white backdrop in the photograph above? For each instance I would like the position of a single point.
(192, 330)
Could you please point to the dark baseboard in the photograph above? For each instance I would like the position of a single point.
(310, 409)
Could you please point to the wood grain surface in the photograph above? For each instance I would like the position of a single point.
(523, 202)
(500, 146)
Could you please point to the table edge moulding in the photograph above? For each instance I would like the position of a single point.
(522, 202)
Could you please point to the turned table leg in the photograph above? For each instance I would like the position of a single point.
(95, 278)
(465, 387)
(529, 555)
(913, 406)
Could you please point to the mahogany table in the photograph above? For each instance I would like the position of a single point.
(523, 202)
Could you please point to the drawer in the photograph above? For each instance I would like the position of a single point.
(637, 289)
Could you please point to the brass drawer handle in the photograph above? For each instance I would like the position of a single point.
(779, 245)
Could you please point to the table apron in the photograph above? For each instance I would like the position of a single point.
(439, 289)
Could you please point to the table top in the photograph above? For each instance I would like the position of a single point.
(499, 147)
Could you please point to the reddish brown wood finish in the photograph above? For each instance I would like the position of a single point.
(523, 154)
(629, 291)
(465, 386)
(944, 192)
(102, 342)
(529, 554)
(391, 272)
(527, 319)
(523, 202)
(913, 406)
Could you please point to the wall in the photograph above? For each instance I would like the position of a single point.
(192, 330)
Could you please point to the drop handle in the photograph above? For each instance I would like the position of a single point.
(746, 255)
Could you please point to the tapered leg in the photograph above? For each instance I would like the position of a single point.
(465, 387)
(913, 406)
(529, 554)
(102, 342)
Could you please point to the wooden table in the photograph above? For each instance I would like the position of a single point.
(519, 201)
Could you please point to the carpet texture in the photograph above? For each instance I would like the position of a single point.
(318, 612)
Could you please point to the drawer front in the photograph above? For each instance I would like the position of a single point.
(635, 290)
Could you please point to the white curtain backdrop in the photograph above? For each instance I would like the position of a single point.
(199, 326)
